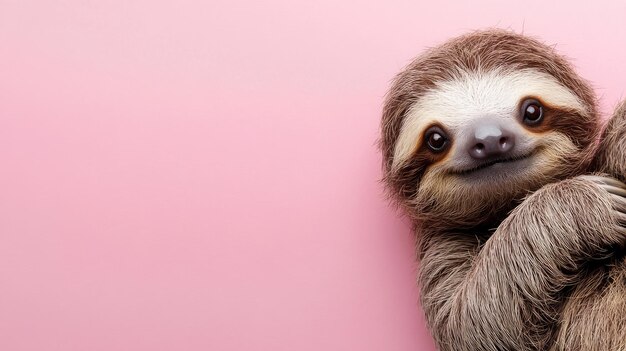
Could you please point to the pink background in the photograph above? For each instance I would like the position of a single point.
(180, 175)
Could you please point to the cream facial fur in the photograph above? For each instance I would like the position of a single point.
(495, 93)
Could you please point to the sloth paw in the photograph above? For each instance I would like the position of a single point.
(617, 191)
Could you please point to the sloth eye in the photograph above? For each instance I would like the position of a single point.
(436, 139)
(532, 112)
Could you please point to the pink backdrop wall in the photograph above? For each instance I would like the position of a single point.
(180, 175)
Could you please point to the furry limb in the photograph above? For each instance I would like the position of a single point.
(507, 294)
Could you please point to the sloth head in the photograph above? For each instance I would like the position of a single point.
(471, 127)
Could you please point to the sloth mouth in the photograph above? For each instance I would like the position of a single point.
(495, 162)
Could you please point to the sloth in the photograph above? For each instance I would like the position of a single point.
(493, 146)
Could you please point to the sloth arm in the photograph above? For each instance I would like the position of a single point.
(506, 294)
(611, 155)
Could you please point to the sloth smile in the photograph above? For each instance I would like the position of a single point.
(504, 164)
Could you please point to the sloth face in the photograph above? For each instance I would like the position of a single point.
(472, 142)
(486, 132)
(483, 129)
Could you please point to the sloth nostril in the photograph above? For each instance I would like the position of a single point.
(503, 141)
(480, 147)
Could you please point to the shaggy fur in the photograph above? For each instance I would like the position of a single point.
(536, 263)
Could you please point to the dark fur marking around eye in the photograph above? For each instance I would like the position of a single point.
(408, 177)
(570, 122)
(573, 124)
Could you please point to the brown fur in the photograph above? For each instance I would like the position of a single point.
(531, 269)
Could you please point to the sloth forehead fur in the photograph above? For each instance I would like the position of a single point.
(485, 74)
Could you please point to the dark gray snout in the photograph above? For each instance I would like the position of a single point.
(489, 139)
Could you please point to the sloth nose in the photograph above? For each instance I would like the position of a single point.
(490, 140)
